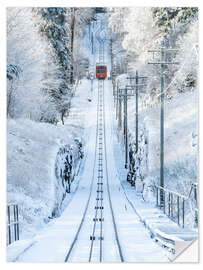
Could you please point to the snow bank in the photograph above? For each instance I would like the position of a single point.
(180, 148)
(181, 131)
(32, 150)
(32, 157)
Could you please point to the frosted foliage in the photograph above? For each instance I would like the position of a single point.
(83, 17)
(116, 30)
(141, 35)
(32, 54)
(33, 159)
(188, 55)
(117, 18)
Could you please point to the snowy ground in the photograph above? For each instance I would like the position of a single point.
(180, 137)
(181, 129)
(158, 224)
(180, 142)
(36, 149)
(52, 243)
(33, 148)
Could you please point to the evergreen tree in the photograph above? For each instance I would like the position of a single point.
(57, 31)
(29, 57)
(168, 18)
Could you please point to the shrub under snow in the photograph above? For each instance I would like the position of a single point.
(33, 157)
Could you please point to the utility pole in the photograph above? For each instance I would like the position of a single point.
(162, 63)
(126, 127)
(89, 27)
(112, 67)
(117, 100)
(92, 41)
(72, 41)
(119, 108)
(123, 94)
(136, 83)
(136, 86)
(111, 52)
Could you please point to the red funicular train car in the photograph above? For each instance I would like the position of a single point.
(101, 71)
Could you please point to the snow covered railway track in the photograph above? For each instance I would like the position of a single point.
(100, 212)
(100, 185)
(110, 201)
(104, 152)
(73, 244)
(103, 182)
(99, 192)
(97, 237)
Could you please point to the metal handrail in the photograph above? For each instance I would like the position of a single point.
(12, 223)
(171, 191)
(174, 204)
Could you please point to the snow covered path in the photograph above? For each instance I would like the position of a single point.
(118, 231)
(53, 243)
(135, 240)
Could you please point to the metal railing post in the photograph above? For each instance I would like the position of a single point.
(164, 205)
(178, 209)
(12, 223)
(183, 218)
(169, 201)
(14, 217)
(172, 205)
(17, 214)
(157, 194)
(9, 221)
(196, 205)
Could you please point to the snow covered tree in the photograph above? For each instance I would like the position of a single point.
(186, 74)
(151, 28)
(13, 73)
(29, 57)
(79, 18)
(179, 27)
(168, 18)
(117, 33)
(57, 30)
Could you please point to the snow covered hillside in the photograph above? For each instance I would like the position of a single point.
(181, 127)
(36, 149)
(181, 143)
(32, 159)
